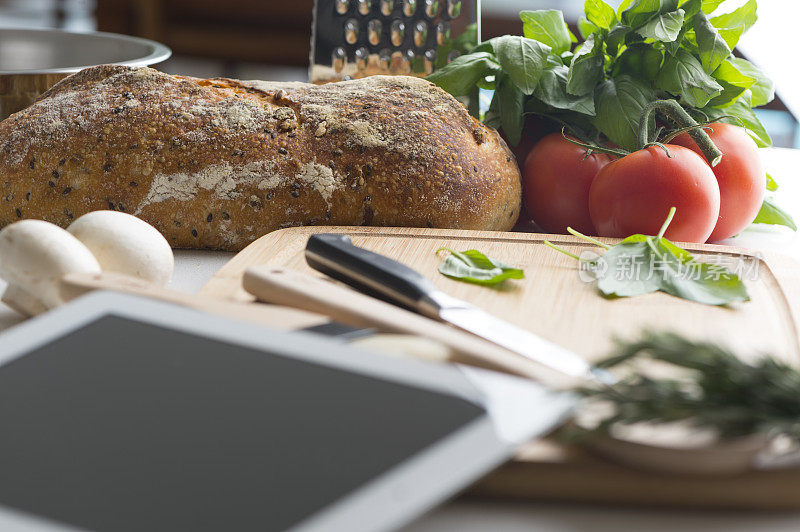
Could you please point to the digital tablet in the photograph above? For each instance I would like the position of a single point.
(119, 413)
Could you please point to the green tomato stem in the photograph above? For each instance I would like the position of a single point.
(668, 221)
(595, 147)
(677, 114)
(573, 232)
(562, 250)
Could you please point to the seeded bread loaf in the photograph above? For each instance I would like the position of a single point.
(217, 163)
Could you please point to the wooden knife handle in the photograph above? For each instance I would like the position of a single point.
(315, 294)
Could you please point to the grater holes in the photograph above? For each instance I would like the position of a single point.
(397, 32)
(374, 32)
(351, 31)
(420, 33)
(409, 7)
(442, 33)
(364, 6)
(339, 59)
(387, 6)
(431, 8)
(385, 59)
(454, 8)
(429, 61)
(362, 58)
(342, 6)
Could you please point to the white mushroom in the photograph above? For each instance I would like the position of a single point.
(34, 256)
(125, 244)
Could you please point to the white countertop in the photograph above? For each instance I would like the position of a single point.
(194, 268)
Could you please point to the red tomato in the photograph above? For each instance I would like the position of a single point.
(556, 178)
(740, 175)
(634, 194)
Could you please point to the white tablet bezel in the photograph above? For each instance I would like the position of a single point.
(516, 409)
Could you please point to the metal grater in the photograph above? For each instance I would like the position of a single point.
(357, 38)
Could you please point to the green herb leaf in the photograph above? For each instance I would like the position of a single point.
(664, 28)
(552, 90)
(616, 37)
(732, 25)
(712, 47)
(740, 114)
(773, 215)
(510, 106)
(460, 75)
(641, 60)
(619, 103)
(763, 90)
(586, 69)
(772, 185)
(643, 264)
(682, 74)
(521, 59)
(600, 14)
(734, 83)
(641, 12)
(547, 26)
(472, 266)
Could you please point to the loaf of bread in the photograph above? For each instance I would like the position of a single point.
(217, 163)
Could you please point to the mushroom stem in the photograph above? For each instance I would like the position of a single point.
(22, 301)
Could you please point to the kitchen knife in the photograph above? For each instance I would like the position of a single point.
(336, 256)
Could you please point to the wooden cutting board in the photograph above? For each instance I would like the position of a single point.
(553, 302)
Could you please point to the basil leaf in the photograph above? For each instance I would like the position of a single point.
(744, 116)
(734, 83)
(510, 105)
(460, 75)
(682, 74)
(600, 14)
(547, 26)
(664, 28)
(619, 103)
(522, 60)
(586, 69)
(552, 90)
(640, 60)
(472, 266)
(641, 11)
(616, 37)
(773, 215)
(772, 185)
(693, 7)
(712, 47)
(643, 264)
(763, 90)
(732, 25)
(586, 28)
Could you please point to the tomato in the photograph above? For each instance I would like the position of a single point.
(740, 175)
(634, 194)
(556, 179)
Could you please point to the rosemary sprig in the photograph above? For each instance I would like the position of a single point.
(721, 391)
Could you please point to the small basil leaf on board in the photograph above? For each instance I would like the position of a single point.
(734, 83)
(682, 74)
(586, 69)
(712, 47)
(641, 60)
(772, 185)
(546, 26)
(472, 266)
(552, 90)
(664, 28)
(732, 25)
(510, 106)
(619, 102)
(644, 264)
(522, 60)
(773, 215)
(763, 90)
(600, 14)
(460, 75)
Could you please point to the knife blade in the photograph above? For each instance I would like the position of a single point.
(336, 256)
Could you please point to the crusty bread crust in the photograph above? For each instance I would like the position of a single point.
(217, 163)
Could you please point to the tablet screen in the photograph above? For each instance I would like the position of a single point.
(125, 426)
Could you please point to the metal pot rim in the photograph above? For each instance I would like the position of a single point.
(159, 52)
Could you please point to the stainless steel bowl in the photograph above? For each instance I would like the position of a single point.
(33, 60)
